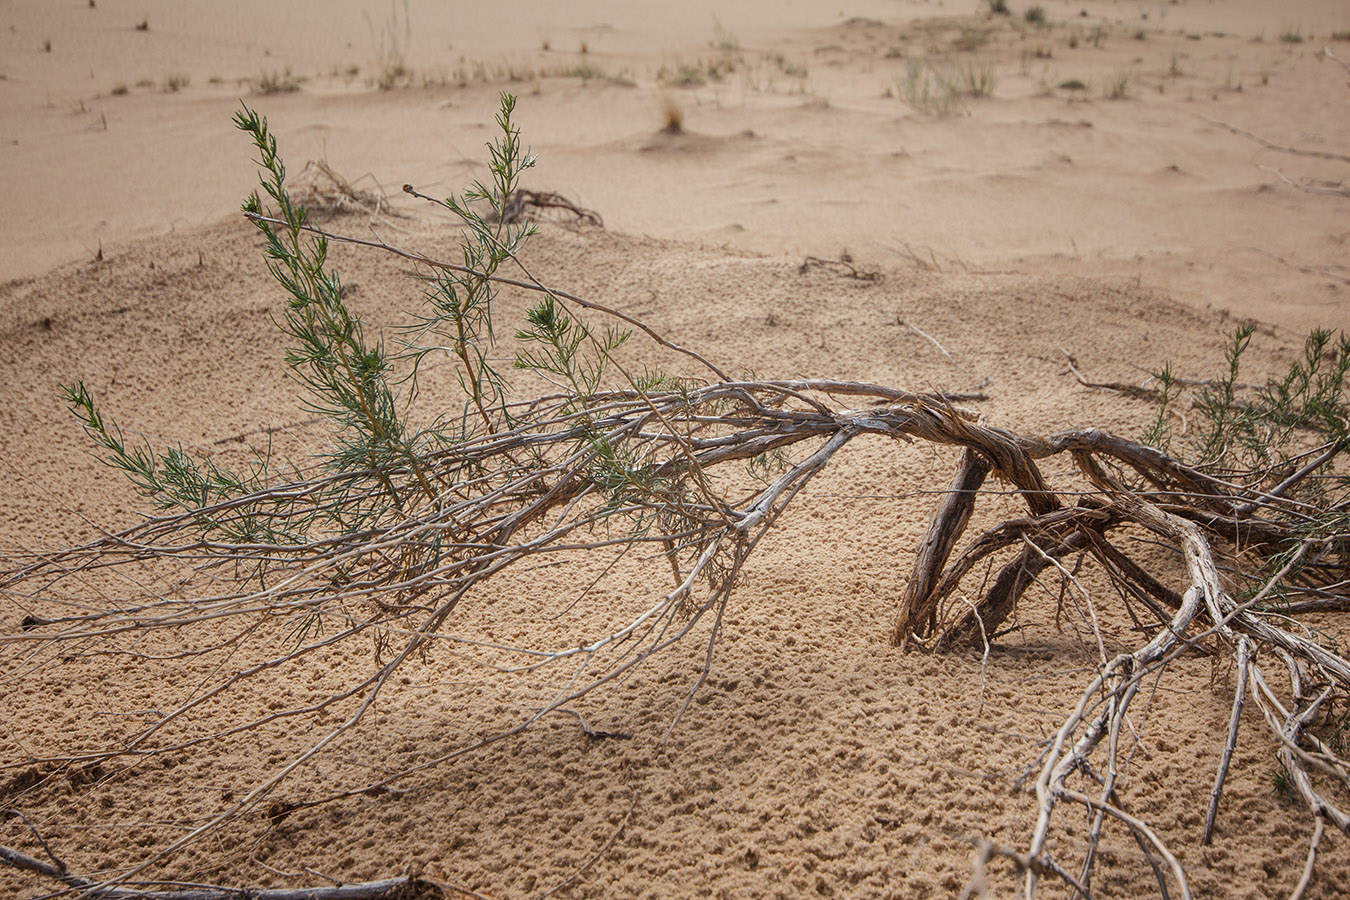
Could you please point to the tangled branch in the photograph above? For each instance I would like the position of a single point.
(397, 532)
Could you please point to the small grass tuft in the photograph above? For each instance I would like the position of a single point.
(276, 83)
(1292, 36)
(1035, 15)
(392, 75)
(971, 39)
(175, 82)
(977, 79)
(1283, 786)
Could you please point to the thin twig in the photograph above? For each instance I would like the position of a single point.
(1315, 154)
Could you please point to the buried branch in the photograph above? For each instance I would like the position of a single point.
(408, 887)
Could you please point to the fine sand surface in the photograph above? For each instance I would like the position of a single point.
(1011, 233)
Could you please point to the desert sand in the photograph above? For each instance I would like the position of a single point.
(1138, 178)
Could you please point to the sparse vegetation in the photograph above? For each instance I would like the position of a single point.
(940, 88)
(175, 82)
(392, 40)
(1292, 36)
(584, 71)
(971, 39)
(1035, 15)
(724, 40)
(681, 76)
(276, 83)
(1118, 87)
(977, 79)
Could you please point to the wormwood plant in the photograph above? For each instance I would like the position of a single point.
(1281, 440)
(400, 525)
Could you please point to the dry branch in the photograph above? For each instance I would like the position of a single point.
(526, 206)
(591, 475)
(407, 887)
(1269, 145)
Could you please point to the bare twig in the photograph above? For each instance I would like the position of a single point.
(401, 888)
(1296, 151)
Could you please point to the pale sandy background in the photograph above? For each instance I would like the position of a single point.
(1032, 224)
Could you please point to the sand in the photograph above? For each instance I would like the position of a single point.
(1022, 229)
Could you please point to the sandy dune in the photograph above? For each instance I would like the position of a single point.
(1012, 232)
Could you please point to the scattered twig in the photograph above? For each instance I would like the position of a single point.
(320, 189)
(402, 888)
(591, 732)
(843, 266)
(271, 429)
(525, 206)
(934, 341)
(1139, 392)
(1326, 51)
(1335, 188)
(1296, 151)
(1340, 273)
(614, 836)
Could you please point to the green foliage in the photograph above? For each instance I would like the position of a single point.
(346, 376)
(1282, 440)
(562, 351)
(458, 319)
(177, 481)
(1282, 784)
(276, 83)
(1237, 433)
(939, 89)
(380, 467)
